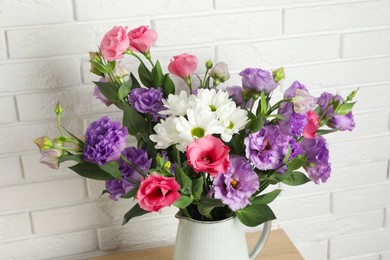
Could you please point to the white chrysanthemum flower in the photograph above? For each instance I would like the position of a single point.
(166, 134)
(211, 99)
(176, 105)
(233, 119)
(199, 122)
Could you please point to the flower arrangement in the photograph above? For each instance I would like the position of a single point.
(209, 151)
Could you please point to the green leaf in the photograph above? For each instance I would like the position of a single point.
(287, 156)
(255, 214)
(207, 204)
(71, 157)
(345, 108)
(75, 137)
(168, 86)
(135, 211)
(145, 76)
(124, 89)
(91, 171)
(280, 117)
(111, 65)
(130, 194)
(133, 120)
(197, 187)
(113, 169)
(99, 66)
(295, 179)
(183, 180)
(263, 104)
(265, 198)
(108, 90)
(134, 81)
(256, 124)
(326, 131)
(157, 75)
(183, 202)
(296, 163)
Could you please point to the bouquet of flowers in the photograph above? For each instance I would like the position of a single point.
(210, 151)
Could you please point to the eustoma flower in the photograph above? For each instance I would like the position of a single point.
(104, 141)
(141, 39)
(257, 80)
(208, 154)
(147, 101)
(313, 123)
(183, 66)
(115, 43)
(156, 192)
(237, 184)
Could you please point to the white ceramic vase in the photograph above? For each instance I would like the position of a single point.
(215, 240)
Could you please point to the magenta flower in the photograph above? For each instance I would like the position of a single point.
(237, 184)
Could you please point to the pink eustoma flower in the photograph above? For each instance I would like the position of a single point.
(183, 65)
(114, 43)
(313, 123)
(141, 39)
(208, 154)
(156, 192)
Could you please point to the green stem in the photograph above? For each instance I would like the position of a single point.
(277, 105)
(149, 58)
(59, 127)
(134, 166)
(185, 212)
(189, 83)
(138, 58)
(177, 155)
(204, 78)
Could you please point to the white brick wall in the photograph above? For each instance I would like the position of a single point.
(328, 45)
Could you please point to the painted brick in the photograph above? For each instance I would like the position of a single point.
(385, 255)
(279, 52)
(342, 73)
(370, 97)
(80, 216)
(34, 170)
(39, 75)
(41, 194)
(7, 110)
(3, 48)
(361, 199)
(95, 188)
(359, 244)
(296, 208)
(11, 170)
(221, 4)
(21, 13)
(366, 43)
(75, 104)
(156, 231)
(362, 150)
(387, 215)
(363, 257)
(20, 137)
(209, 29)
(364, 122)
(319, 229)
(336, 17)
(343, 178)
(49, 247)
(98, 10)
(14, 226)
(67, 39)
(313, 250)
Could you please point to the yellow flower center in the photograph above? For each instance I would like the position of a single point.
(234, 183)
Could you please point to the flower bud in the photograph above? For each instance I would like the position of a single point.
(220, 72)
(278, 74)
(119, 72)
(209, 64)
(58, 109)
(43, 143)
(95, 61)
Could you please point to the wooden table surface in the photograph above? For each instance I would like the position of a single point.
(278, 247)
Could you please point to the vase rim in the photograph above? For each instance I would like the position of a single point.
(179, 216)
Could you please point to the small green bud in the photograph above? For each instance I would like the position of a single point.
(209, 64)
(43, 143)
(58, 109)
(352, 95)
(167, 165)
(278, 74)
(96, 63)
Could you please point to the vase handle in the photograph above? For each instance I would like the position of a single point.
(261, 241)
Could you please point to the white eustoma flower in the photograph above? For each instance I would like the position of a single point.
(303, 102)
(210, 98)
(166, 134)
(199, 122)
(233, 119)
(176, 105)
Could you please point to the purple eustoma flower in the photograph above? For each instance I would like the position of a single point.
(267, 148)
(340, 122)
(235, 92)
(104, 141)
(318, 159)
(257, 80)
(139, 158)
(147, 101)
(237, 184)
(98, 94)
(117, 188)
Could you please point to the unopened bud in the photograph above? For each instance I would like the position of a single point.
(58, 109)
(278, 74)
(209, 64)
(96, 62)
(43, 143)
(220, 72)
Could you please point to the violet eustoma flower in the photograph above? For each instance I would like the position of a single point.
(117, 188)
(257, 80)
(98, 94)
(237, 184)
(139, 157)
(147, 101)
(104, 141)
(341, 122)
